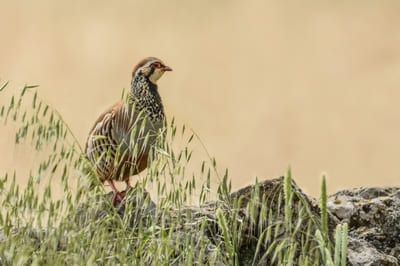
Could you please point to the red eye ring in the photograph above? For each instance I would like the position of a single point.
(157, 65)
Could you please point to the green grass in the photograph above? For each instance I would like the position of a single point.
(80, 227)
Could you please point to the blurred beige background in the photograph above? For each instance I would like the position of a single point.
(313, 84)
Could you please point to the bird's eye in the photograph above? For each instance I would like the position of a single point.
(157, 65)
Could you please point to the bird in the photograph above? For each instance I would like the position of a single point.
(119, 143)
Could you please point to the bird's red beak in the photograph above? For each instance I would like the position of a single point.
(167, 68)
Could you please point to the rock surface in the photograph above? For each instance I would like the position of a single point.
(373, 215)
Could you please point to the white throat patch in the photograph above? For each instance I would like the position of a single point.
(156, 75)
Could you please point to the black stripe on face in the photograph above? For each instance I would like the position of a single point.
(151, 72)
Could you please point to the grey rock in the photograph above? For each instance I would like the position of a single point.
(341, 207)
(361, 253)
(373, 215)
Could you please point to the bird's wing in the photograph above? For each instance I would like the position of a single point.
(104, 122)
(121, 125)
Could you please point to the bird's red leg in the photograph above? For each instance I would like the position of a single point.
(117, 194)
(128, 185)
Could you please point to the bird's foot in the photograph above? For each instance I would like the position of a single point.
(123, 193)
(116, 194)
(118, 197)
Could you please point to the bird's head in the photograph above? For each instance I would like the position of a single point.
(152, 68)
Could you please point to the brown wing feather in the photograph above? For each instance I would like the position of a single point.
(109, 110)
(111, 134)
